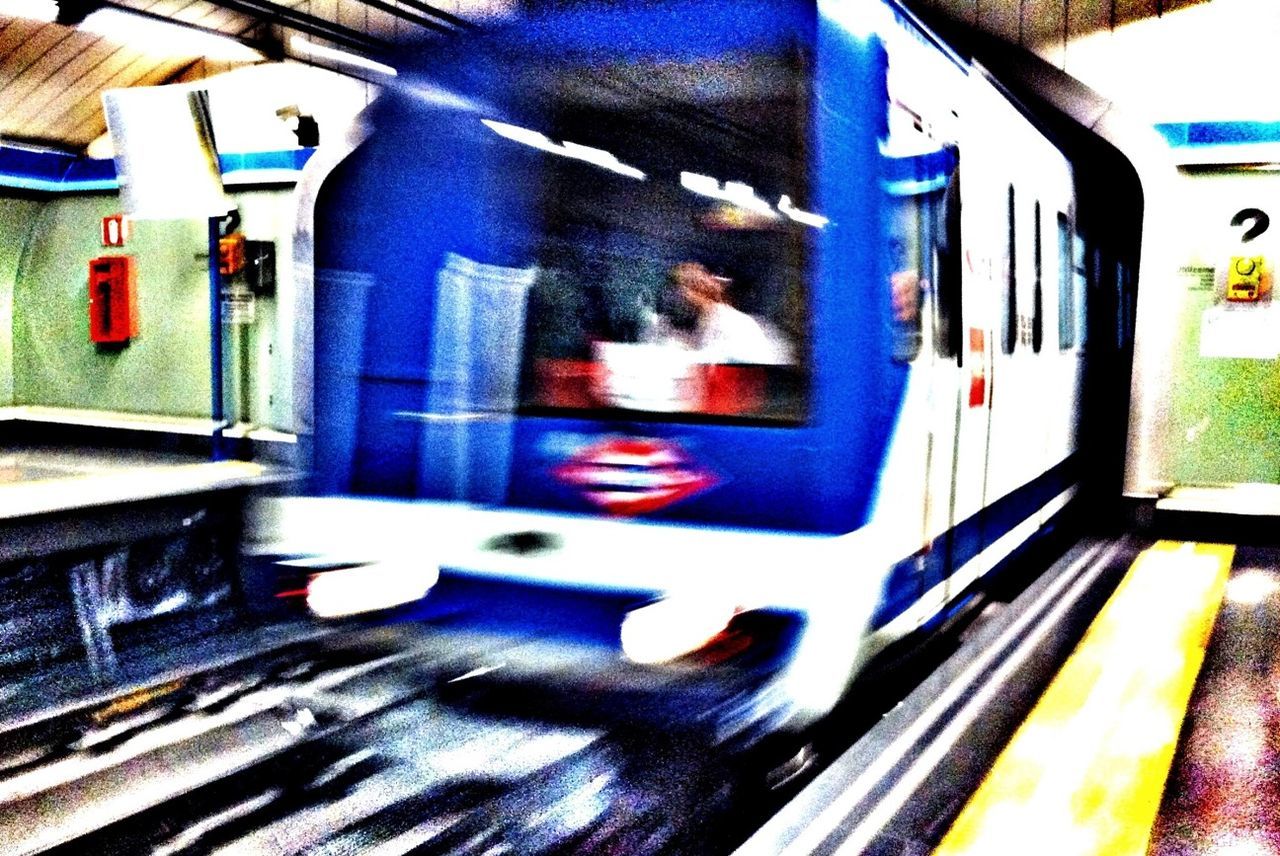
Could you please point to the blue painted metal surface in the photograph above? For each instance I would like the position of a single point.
(859, 388)
(284, 159)
(677, 31)
(909, 176)
(432, 179)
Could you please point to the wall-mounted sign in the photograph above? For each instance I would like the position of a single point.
(1240, 331)
(231, 254)
(115, 230)
(166, 159)
(238, 304)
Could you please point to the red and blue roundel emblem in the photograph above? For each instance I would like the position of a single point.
(634, 475)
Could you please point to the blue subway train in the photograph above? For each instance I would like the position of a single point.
(701, 351)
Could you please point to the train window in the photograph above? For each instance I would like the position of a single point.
(673, 228)
(1037, 315)
(1084, 278)
(1009, 317)
(919, 175)
(1124, 322)
(1066, 285)
(947, 272)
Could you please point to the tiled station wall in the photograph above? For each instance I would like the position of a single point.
(46, 358)
(1048, 27)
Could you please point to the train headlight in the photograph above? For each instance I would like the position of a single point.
(673, 627)
(369, 586)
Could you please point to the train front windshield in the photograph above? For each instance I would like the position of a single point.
(582, 237)
(663, 211)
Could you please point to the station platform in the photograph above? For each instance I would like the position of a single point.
(104, 547)
(36, 480)
(1154, 735)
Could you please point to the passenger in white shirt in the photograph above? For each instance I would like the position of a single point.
(722, 333)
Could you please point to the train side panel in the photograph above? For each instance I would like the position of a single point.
(982, 455)
(1014, 466)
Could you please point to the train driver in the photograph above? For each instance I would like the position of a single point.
(721, 333)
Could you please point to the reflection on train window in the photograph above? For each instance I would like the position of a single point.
(906, 296)
(909, 218)
(1124, 323)
(1066, 286)
(673, 231)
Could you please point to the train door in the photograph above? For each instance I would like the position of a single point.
(922, 306)
(943, 430)
(989, 380)
(1017, 432)
(949, 387)
(923, 188)
(1062, 351)
(977, 268)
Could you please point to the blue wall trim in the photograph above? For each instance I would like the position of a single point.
(60, 172)
(1185, 134)
(290, 159)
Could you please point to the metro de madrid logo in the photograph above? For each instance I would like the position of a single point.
(626, 476)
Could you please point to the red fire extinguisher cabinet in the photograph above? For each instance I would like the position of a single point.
(113, 299)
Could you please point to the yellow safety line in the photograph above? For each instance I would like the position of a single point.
(1084, 773)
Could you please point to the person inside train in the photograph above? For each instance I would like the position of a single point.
(705, 321)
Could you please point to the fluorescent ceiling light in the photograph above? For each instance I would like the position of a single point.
(808, 218)
(520, 135)
(35, 10)
(303, 46)
(744, 196)
(598, 157)
(735, 192)
(165, 38)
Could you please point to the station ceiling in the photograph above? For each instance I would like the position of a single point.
(52, 73)
(1156, 60)
(1049, 25)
